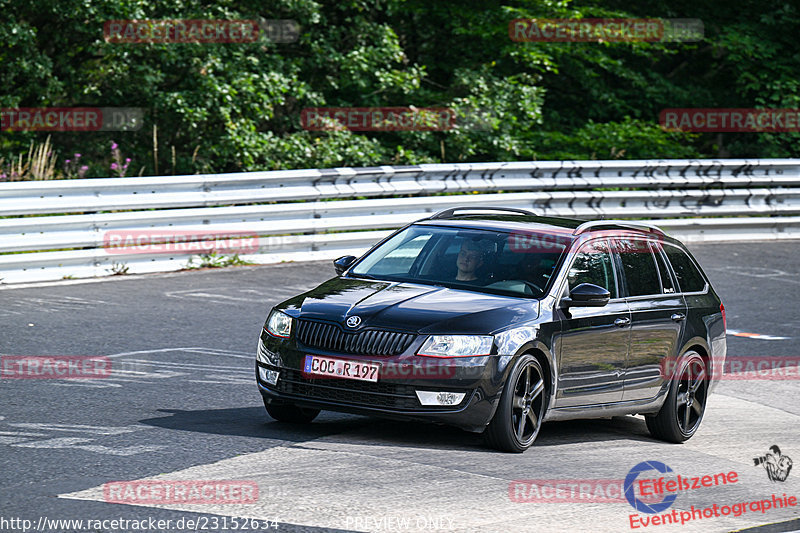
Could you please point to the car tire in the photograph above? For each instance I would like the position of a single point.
(291, 413)
(682, 412)
(519, 415)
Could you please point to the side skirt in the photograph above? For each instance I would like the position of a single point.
(632, 407)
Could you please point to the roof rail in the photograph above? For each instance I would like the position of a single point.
(448, 213)
(628, 224)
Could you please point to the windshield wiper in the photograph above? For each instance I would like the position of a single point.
(362, 276)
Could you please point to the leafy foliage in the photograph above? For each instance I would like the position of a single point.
(214, 259)
(228, 107)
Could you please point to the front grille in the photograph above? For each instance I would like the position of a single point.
(366, 342)
(366, 393)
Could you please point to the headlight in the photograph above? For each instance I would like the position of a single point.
(456, 345)
(279, 324)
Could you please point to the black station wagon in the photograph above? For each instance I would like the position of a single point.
(496, 320)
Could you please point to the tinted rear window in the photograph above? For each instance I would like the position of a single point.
(666, 279)
(639, 266)
(689, 277)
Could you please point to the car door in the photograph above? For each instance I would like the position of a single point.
(658, 314)
(593, 345)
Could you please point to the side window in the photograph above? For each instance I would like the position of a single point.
(593, 265)
(689, 277)
(639, 266)
(666, 279)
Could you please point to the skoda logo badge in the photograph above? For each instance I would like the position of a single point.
(353, 321)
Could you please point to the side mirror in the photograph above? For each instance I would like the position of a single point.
(587, 295)
(343, 263)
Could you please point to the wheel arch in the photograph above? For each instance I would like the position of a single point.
(546, 359)
(697, 344)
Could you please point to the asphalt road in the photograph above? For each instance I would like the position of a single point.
(181, 404)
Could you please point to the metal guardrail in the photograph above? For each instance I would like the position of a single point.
(70, 235)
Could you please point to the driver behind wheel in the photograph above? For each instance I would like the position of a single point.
(471, 258)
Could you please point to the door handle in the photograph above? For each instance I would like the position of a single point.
(677, 317)
(622, 322)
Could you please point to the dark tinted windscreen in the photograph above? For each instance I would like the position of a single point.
(482, 260)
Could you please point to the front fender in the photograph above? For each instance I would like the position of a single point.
(514, 342)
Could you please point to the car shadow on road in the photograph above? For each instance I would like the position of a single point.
(414, 434)
(254, 422)
(362, 430)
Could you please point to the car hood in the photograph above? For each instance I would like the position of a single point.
(411, 307)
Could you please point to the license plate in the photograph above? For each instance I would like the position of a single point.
(329, 367)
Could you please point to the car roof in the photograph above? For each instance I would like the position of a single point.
(506, 222)
(531, 222)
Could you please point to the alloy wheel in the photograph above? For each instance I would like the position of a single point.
(528, 404)
(691, 395)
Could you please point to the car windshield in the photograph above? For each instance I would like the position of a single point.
(509, 263)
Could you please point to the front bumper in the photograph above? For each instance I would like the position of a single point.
(394, 394)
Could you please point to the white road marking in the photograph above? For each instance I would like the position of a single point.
(22, 434)
(758, 336)
(217, 298)
(11, 437)
(88, 384)
(134, 277)
(79, 428)
(86, 440)
(211, 373)
(157, 374)
(129, 370)
(234, 296)
(192, 349)
(59, 283)
(160, 350)
(124, 451)
(157, 362)
(48, 304)
(771, 273)
(58, 442)
(11, 440)
(226, 354)
(77, 443)
(224, 380)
